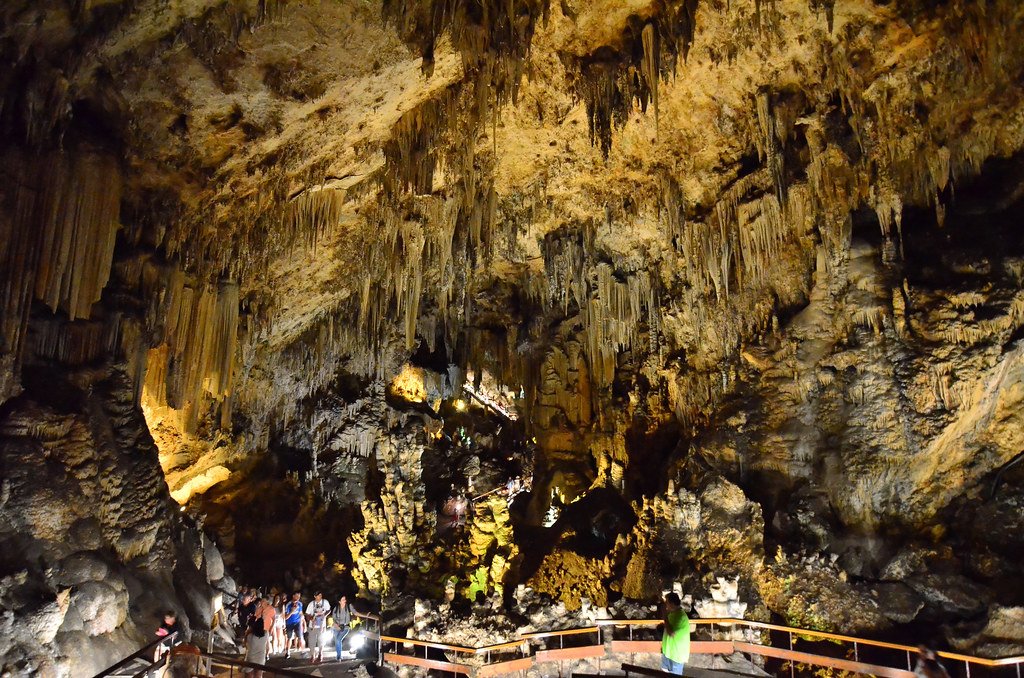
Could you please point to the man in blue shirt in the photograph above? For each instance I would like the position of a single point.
(293, 624)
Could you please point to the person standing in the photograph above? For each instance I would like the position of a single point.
(257, 635)
(316, 616)
(170, 630)
(246, 608)
(278, 641)
(675, 641)
(342, 617)
(293, 624)
(928, 665)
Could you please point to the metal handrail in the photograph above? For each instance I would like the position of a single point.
(431, 644)
(537, 635)
(141, 653)
(825, 635)
(729, 621)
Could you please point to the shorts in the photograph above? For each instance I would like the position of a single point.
(316, 637)
(670, 666)
(293, 630)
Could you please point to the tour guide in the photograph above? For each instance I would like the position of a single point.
(675, 643)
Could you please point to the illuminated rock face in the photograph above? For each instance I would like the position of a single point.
(703, 288)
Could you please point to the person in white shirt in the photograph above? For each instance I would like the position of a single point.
(316, 622)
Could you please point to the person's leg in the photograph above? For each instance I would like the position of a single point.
(671, 666)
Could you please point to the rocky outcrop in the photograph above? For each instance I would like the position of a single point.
(95, 550)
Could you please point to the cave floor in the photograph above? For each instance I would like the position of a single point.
(329, 668)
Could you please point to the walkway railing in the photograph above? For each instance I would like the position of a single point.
(141, 662)
(726, 636)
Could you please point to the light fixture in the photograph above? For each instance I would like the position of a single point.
(357, 642)
(460, 405)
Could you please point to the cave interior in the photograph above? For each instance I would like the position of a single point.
(492, 314)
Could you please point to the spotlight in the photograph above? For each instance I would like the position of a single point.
(357, 642)
(460, 405)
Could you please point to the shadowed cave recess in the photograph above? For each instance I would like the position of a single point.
(496, 315)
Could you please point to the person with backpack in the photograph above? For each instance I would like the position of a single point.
(257, 635)
(316, 615)
(342, 622)
(293, 624)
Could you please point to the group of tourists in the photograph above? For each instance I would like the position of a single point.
(282, 624)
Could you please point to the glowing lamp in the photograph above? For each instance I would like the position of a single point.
(357, 641)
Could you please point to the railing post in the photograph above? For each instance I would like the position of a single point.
(908, 661)
(967, 664)
(792, 664)
(856, 654)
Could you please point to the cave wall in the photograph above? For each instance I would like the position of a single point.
(720, 259)
(94, 550)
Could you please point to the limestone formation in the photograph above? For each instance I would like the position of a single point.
(522, 304)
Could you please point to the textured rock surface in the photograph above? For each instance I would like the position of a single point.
(93, 545)
(725, 288)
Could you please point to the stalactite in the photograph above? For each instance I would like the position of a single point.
(309, 217)
(828, 6)
(194, 362)
(610, 81)
(57, 241)
(651, 65)
(492, 36)
(671, 208)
